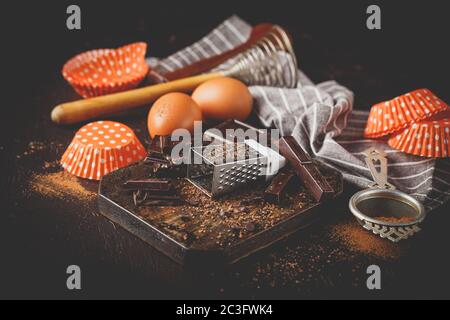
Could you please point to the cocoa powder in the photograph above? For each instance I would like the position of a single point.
(357, 239)
(59, 185)
(395, 220)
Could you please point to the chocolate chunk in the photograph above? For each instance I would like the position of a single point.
(305, 169)
(193, 202)
(252, 201)
(224, 213)
(141, 198)
(188, 237)
(236, 229)
(160, 185)
(243, 209)
(171, 172)
(162, 203)
(163, 198)
(157, 158)
(250, 227)
(185, 218)
(276, 191)
(138, 197)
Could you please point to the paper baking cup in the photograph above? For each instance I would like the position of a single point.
(104, 71)
(391, 116)
(428, 138)
(101, 147)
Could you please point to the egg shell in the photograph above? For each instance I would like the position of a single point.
(223, 99)
(172, 111)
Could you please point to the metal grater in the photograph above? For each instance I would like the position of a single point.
(225, 167)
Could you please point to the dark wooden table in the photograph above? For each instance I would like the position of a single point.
(40, 236)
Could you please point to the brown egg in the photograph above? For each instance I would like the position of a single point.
(224, 99)
(172, 111)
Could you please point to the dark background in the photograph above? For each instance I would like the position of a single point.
(331, 41)
(409, 52)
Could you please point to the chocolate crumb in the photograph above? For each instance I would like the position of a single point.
(250, 227)
(235, 216)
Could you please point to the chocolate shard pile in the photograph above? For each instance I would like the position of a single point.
(157, 158)
(163, 166)
(153, 192)
(157, 185)
(305, 169)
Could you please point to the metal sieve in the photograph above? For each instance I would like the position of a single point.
(383, 210)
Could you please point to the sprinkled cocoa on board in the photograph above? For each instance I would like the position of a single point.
(202, 222)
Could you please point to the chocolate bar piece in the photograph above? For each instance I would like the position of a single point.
(158, 185)
(305, 169)
(143, 198)
(152, 200)
(161, 203)
(163, 198)
(157, 158)
(277, 189)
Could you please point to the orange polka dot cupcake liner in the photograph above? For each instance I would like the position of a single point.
(104, 71)
(101, 147)
(391, 116)
(428, 138)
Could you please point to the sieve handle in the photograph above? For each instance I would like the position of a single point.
(374, 156)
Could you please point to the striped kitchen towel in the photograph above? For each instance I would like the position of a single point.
(322, 119)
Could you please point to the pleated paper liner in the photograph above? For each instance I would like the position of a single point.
(105, 71)
(101, 147)
(428, 138)
(388, 117)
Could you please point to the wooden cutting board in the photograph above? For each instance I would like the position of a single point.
(212, 232)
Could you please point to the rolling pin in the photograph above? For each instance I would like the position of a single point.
(87, 109)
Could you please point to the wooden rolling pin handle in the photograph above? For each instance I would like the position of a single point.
(92, 108)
